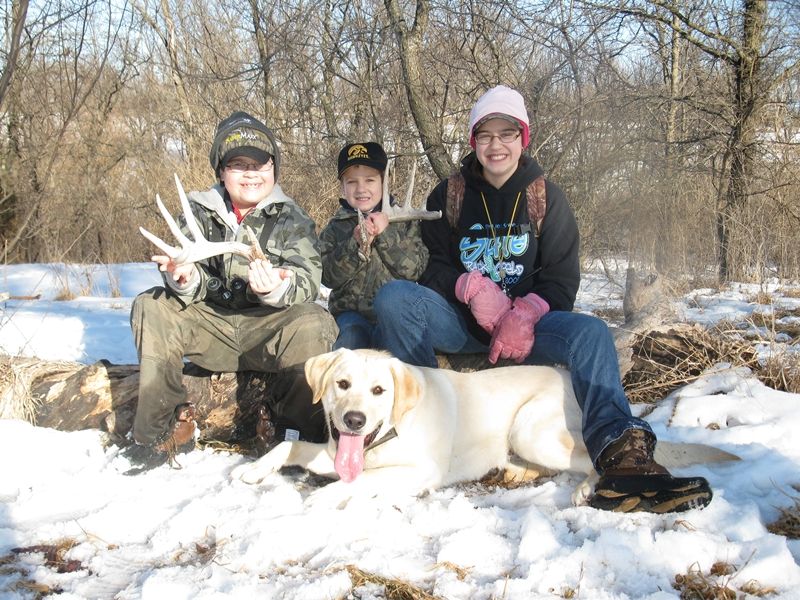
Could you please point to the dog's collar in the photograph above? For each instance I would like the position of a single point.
(392, 433)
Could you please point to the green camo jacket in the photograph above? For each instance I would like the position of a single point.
(285, 233)
(397, 253)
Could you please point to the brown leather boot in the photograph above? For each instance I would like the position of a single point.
(181, 438)
(633, 481)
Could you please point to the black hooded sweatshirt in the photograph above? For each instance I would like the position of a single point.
(547, 265)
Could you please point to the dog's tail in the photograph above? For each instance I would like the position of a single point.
(672, 454)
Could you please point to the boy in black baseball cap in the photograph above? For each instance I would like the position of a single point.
(394, 250)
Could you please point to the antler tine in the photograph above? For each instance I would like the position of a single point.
(410, 190)
(171, 251)
(406, 211)
(185, 242)
(191, 222)
(163, 246)
(385, 198)
(191, 251)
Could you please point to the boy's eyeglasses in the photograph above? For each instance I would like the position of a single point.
(240, 166)
(484, 137)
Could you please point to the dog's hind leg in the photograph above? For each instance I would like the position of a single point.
(517, 471)
(545, 433)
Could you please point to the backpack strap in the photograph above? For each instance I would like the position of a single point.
(455, 197)
(537, 203)
(536, 194)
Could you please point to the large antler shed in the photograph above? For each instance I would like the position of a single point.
(190, 251)
(400, 212)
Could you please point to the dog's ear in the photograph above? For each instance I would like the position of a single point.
(318, 371)
(407, 389)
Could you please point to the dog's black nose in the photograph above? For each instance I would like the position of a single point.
(354, 419)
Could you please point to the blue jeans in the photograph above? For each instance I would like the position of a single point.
(414, 323)
(355, 331)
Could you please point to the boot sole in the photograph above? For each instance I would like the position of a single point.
(677, 495)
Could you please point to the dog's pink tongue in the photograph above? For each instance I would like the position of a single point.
(349, 461)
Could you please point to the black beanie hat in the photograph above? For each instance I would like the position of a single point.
(362, 153)
(243, 135)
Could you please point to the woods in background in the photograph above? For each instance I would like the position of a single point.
(673, 126)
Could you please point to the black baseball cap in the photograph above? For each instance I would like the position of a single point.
(370, 154)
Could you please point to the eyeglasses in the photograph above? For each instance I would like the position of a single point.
(484, 137)
(241, 166)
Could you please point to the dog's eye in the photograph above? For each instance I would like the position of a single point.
(343, 384)
(377, 390)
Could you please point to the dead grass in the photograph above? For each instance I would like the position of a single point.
(394, 589)
(781, 372)
(16, 399)
(665, 361)
(788, 524)
(761, 298)
(717, 584)
(610, 314)
(776, 322)
(791, 292)
(54, 558)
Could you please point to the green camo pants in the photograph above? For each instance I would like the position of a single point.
(218, 339)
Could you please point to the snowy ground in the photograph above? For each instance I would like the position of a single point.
(195, 533)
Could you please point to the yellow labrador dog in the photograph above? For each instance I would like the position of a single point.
(395, 428)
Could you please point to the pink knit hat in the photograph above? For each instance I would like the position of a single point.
(500, 102)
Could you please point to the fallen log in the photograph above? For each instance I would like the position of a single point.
(72, 396)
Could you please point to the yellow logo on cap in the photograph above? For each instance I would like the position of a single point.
(242, 136)
(357, 151)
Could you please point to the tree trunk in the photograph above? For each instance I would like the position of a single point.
(748, 101)
(410, 40)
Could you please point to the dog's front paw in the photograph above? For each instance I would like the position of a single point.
(250, 473)
(255, 472)
(335, 495)
(269, 463)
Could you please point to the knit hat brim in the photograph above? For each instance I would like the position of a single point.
(257, 154)
(243, 133)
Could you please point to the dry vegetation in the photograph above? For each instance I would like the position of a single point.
(718, 584)
(663, 361)
(788, 524)
(676, 149)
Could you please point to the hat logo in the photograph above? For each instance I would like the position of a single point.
(242, 135)
(357, 151)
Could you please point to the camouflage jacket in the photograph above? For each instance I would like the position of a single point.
(397, 253)
(283, 230)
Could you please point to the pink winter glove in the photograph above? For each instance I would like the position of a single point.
(513, 336)
(485, 299)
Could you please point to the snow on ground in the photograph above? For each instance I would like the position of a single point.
(195, 533)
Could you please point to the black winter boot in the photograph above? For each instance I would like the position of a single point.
(633, 481)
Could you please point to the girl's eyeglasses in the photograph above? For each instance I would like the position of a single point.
(484, 137)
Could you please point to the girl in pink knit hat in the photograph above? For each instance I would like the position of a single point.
(502, 278)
